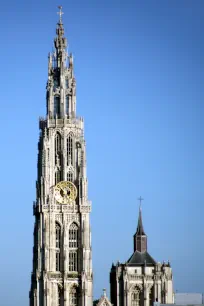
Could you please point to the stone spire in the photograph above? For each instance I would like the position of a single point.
(60, 40)
(61, 85)
(140, 238)
(140, 229)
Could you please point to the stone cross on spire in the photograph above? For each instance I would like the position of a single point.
(140, 199)
(60, 13)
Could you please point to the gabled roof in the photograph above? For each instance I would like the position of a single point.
(138, 259)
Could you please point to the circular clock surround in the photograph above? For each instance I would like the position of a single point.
(65, 192)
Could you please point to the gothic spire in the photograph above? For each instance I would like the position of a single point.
(60, 40)
(140, 238)
(61, 85)
(140, 229)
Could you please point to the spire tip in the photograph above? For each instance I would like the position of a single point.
(60, 13)
(140, 199)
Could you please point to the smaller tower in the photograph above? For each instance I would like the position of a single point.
(141, 280)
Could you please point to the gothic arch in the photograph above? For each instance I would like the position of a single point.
(136, 295)
(71, 134)
(73, 285)
(70, 176)
(73, 221)
(137, 286)
(58, 141)
(58, 131)
(68, 227)
(73, 235)
(59, 222)
(58, 149)
(70, 148)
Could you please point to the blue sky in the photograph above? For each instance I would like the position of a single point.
(139, 71)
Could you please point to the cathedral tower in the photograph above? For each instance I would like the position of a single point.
(62, 257)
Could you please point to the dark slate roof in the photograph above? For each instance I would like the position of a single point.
(141, 259)
(140, 229)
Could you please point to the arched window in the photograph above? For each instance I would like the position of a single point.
(58, 141)
(70, 176)
(60, 296)
(58, 245)
(135, 297)
(73, 261)
(73, 245)
(73, 236)
(70, 149)
(73, 296)
(56, 106)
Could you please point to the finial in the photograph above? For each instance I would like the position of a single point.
(60, 13)
(104, 292)
(140, 199)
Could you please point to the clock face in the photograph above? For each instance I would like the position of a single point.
(65, 192)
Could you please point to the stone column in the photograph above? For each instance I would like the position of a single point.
(166, 291)
(155, 291)
(65, 295)
(159, 291)
(145, 295)
(37, 294)
(55, 294)
(48, 293)
(117, 290)
(45, 298)
(35, 297)
(52, 243)
(83, 295)
(65, 249)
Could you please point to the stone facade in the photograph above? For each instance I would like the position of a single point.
(141, 280)
(62, 257)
